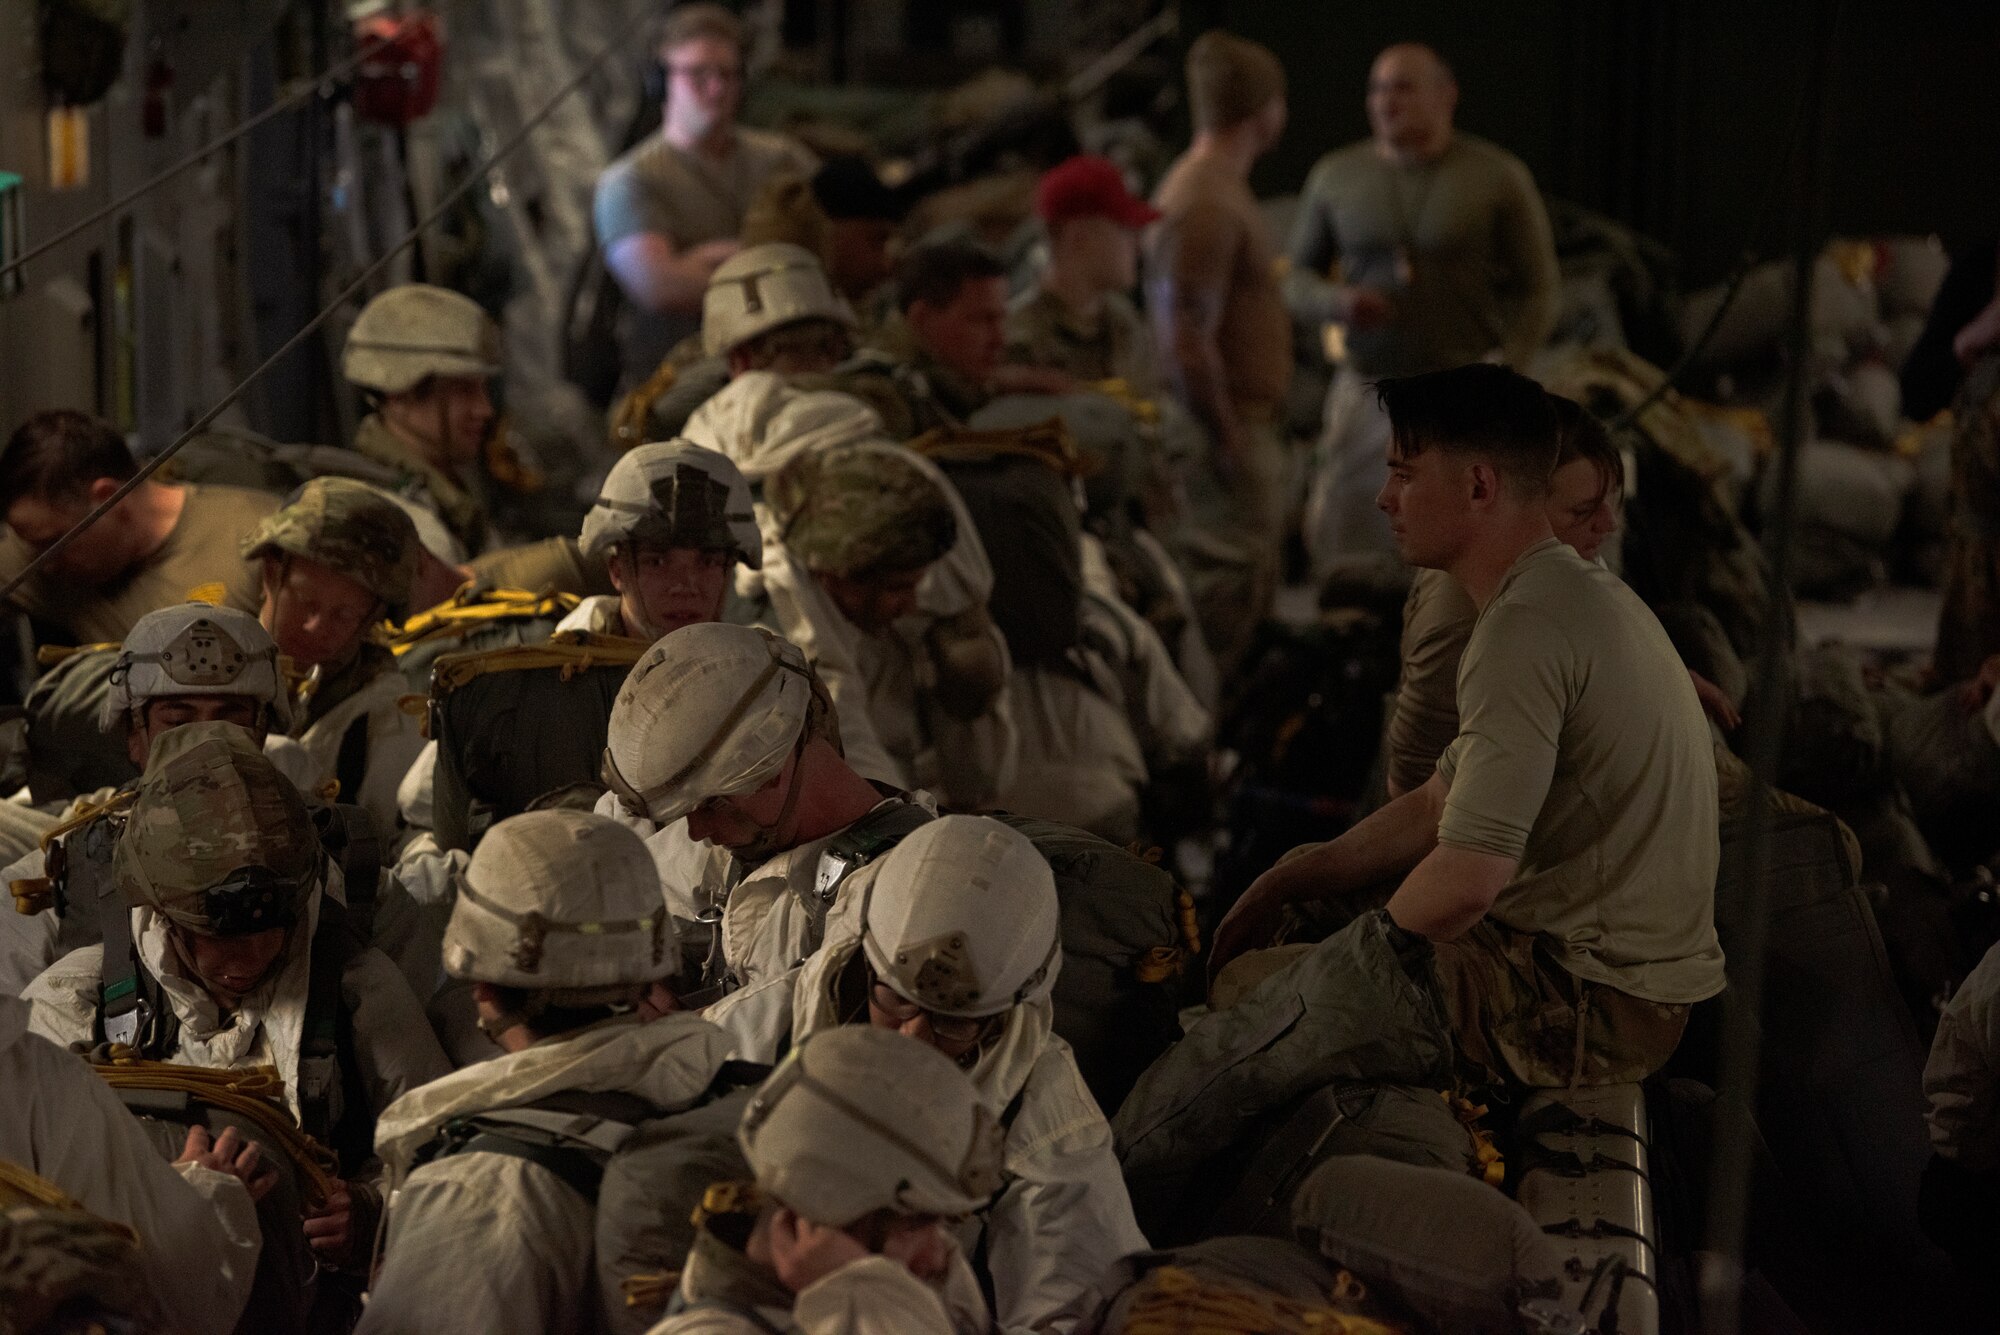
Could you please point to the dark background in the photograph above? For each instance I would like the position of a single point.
(1673, 117)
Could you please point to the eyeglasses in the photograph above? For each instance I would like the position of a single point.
(707, 74)
(956, 1029)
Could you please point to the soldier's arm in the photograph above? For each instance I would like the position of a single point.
(1311, 250)
(1191, 284)
(660, 276)
(1528, 253)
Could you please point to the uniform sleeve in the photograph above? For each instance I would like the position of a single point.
(1962, 1076)
(1512, 697)
(483, 1242)
(1527, 249)
(1437, 621)
(393, 1040)
(1065, 1216)
(872, 1296)
(197, 1228)
(623, 207)
(1311, 250)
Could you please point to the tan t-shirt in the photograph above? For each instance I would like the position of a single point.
(1211, 238)
(1437, 621)
(1582, 751)
(202, 549)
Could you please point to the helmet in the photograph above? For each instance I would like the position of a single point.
(562, 900)
(60, 1264)
(676, 494)
(860, 1119)
(432, 535)
(195, 649)
(415, 331)
(850, 509)
(711, 710)
(217, 840)
(349, 526)
(756, 290)
(961, 918)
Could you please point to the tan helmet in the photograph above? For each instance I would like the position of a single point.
(755, 291)
(217, 840)
(349, 526)
(560, 900)
(414, 331)
(860, 1119)
(961, 918)
(711, 710)
(850, 510)
(195, 649)
(674, 493)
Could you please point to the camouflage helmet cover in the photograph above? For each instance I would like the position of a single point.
(674, 493)
(63, 1268)
(855, 509)
(762, 288)
(350, 527)
(195, 648)
(415, 331)
(217, 840)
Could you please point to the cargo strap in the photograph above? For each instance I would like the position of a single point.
(1049, 443)
(1173, 1300)
(473, 608)
(1568, 1163)
(1601, 1228)
(571, 651)
(1559, 1119)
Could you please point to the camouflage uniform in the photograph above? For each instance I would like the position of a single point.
(462, 507)
(1969, 624)
(1042, 331)
(913, 393)
(352, 529)
(61, 1259)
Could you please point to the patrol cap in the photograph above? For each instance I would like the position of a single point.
(756, 290)
(868, 506)
(217, 840)
(415, 331)
(674, 493)
(349, 526)
(860, 1119)
(195, 648)
(961, 918)
(560, 900)
(710, 710)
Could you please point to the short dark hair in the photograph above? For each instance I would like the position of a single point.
(935, 273)
(690, 22)
(56, 455)
(1480, 409)
(1579, 435)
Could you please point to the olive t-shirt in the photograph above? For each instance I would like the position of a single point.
(1437, 621)
(204, 548)
(689, 199)
(1582, 751)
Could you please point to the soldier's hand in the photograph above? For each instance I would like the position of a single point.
(230, 1153)
(804, 1253)
(1249, 925)
(330, 1225)
(1715, 702)
(658, 999)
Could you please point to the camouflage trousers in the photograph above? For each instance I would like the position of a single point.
(1233, 543)
(1519, 1017)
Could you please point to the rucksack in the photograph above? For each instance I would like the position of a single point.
(642, 1171)
(514, 725)
(68, 752)
(1127, 937)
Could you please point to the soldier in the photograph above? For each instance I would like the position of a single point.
(766, 308)
(1559, 866)
(865, 1146)
(1969, 623)
(1962, 1083)
(560, 930)
(233, 956)
(1079, 319)
(668, 212)
(859, 525)
(195, 663)
(951, 938)
(671, 521)
(196, 1218)
(424, 356)
(338, 560)
(146, 553)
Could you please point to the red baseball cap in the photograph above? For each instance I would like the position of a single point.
(1089, 187)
